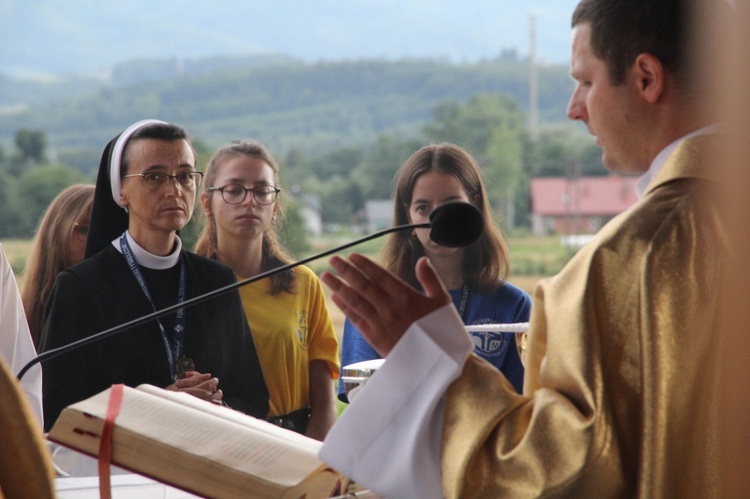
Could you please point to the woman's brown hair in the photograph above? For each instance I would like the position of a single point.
(485, 262)
(50, 252)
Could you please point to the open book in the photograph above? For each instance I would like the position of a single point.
(200, 447)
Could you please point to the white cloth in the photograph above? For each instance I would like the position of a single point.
(149, 260)
(388, 439)
(16, 345)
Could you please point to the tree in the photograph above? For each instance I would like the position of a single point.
(559, 148)
(503, 169)
(3, 159)
(9, 207)
(340, 198)
(293, 168)
(31, 145)
(203, 153)
(339, 162)
(36, 190)
(293, 234)
(492, 129)
(380, 164)
(83, 159)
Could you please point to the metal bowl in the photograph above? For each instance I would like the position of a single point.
(356, 375)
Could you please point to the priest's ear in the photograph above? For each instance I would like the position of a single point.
(650, 77)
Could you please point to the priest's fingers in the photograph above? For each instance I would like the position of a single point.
(346, 296)
(385, 286)
(377, 302)
(430, 281)
(375, 283)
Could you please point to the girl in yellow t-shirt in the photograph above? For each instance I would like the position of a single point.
(287, 313)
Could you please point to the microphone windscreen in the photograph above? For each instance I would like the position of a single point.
(456, 224)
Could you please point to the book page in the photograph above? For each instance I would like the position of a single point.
(234, 416)
(238, 446)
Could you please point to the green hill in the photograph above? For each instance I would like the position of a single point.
(315, 107)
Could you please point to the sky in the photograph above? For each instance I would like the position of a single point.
(54, 36)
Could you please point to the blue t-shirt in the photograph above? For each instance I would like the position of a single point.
(507, 304)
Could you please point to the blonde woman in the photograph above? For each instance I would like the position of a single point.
(60, 242)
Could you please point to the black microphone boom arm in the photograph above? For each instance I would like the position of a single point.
(453, 224)
(51, 354)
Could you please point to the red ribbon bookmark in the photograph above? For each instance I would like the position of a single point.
(105, 444)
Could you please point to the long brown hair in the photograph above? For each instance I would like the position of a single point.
(50, 253)
(485, 262)
(273, 253)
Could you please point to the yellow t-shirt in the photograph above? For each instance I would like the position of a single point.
(290, 331)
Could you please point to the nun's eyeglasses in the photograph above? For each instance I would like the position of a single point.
(188, 180)
(236, 193)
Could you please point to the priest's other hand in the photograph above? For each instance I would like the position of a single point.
(378, 303)
(200, 385)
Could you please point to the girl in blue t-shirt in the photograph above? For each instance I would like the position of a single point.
(474, 275)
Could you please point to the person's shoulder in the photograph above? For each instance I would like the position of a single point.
(92, 273)
(307, 281)
(508, 289)
(305, 272)
(93, 264)
(650, 223)
(208, 266)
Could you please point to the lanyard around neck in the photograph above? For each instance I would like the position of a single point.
(463, 302)
(174, 344)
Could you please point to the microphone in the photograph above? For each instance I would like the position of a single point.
(454, 224)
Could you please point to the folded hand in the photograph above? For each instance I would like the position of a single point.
(200, 385)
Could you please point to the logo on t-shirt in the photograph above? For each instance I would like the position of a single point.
(300, 318)
(489, 344)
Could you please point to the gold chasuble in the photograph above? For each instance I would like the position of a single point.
(620, 396)
(25, 463)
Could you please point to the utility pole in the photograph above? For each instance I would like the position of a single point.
(533, 81)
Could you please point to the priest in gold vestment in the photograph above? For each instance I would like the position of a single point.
(620, 395)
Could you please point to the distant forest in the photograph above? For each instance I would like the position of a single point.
(340, 130)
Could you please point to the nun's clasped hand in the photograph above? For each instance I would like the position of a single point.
(200, 385)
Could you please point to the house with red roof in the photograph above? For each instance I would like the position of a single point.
(578, 205)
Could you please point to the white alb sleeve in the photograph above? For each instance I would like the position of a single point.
(16, 345)
(388, 439)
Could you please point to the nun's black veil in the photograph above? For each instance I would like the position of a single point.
(108, 219)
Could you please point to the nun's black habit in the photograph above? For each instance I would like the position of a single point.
(101, 292)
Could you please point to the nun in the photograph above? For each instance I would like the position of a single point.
(135, 265)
